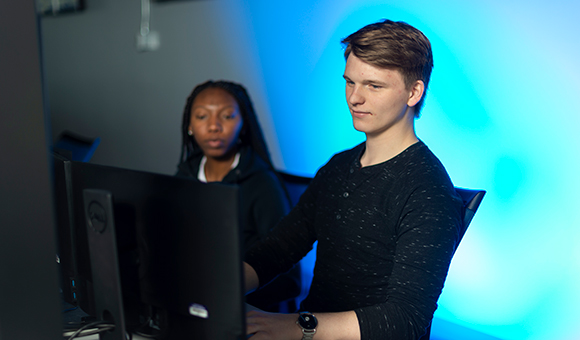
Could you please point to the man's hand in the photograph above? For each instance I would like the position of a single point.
(272, 326)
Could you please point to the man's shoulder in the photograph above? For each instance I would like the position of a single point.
(421, 167)
(418, 157)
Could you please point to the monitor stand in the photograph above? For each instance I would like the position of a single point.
(102, 241)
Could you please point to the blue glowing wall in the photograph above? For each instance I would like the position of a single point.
(501, 115)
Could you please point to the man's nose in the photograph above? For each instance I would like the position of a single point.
(355, 96)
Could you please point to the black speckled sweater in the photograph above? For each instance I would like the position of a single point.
(386, 235)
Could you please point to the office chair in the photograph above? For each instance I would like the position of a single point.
(76, 147)
(471, 201)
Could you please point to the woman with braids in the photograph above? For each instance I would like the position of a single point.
(223, 142)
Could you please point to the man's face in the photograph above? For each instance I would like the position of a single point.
(379, 102)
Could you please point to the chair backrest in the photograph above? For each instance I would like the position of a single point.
(471, 201)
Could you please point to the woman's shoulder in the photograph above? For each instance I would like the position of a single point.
(252, 167)
(190, 166)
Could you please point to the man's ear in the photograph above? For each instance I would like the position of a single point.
(416, 93)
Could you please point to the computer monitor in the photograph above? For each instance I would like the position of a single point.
(178, 247)
(65, 256)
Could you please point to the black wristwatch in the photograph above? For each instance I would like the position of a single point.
(308, 323)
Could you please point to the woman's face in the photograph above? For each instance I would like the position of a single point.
(216, 122)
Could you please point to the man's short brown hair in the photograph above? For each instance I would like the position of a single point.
(398, 45)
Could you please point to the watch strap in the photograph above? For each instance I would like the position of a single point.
(308, 334)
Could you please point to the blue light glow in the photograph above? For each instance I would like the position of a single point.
(500, 114)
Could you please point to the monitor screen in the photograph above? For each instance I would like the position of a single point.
(178, 247)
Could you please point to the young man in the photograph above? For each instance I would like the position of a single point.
(385, 213)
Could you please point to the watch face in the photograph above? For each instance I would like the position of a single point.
(307, 321)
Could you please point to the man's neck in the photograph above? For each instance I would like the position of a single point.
(381, 148)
